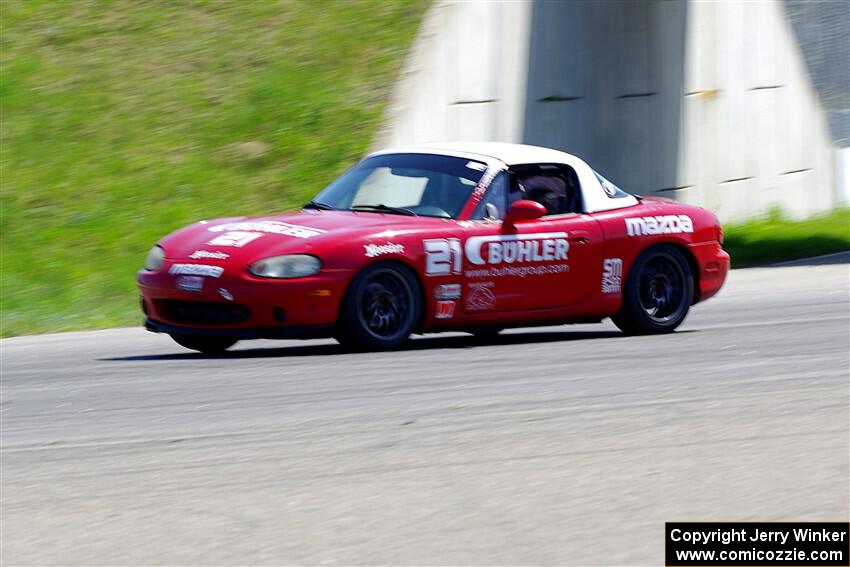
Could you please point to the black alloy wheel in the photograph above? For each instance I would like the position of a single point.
(661, 288)
(658, 292)
(382, 307)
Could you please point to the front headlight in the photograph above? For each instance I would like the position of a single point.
(155, 258)
(289, 266)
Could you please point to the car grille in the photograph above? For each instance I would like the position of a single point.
(203, 313)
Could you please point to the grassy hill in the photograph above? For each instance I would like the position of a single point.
(124, 120)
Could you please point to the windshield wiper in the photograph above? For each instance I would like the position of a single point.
(319, 206)
(384, 209)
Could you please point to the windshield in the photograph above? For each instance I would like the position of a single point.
(421, 184)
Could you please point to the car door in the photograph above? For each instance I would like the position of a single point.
(534, 264)
(546, 263)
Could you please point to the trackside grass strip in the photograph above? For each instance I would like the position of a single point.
(775, 238)
(124, 120)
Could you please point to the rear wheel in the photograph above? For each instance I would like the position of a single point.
(381, 308)
(204, 344)
(658, 292)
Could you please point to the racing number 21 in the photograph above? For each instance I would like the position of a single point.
(442, 256)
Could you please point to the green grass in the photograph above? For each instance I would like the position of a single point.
(122, 121)
(775, 238)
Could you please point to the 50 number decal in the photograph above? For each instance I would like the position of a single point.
(443, 256)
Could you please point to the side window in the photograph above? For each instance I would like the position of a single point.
(553, 186)
(494, 204)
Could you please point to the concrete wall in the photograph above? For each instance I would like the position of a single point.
(465, 76)
(842, 177)
(754, 135)
(605, 83)
(706, 102)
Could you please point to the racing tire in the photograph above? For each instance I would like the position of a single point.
(381, 308)
(658, 293)
(204, 344)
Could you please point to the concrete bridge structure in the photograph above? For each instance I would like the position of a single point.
(711, 103)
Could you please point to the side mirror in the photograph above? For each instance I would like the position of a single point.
(524, 210)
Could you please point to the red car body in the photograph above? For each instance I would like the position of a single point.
(470, 273)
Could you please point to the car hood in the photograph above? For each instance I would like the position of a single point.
(250, 238)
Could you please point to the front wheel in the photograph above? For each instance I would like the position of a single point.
(203, 343)
(658, 293)
(381, 308)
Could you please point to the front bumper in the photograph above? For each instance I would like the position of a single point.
(291, 332)
(243, 305)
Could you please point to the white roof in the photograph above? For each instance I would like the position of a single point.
(594, 196)
(510, 154)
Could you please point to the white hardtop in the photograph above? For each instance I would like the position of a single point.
(509, 154)
(594, 196)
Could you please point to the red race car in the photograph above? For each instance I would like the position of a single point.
(473, 237)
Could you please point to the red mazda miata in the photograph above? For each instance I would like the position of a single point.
(473, 237)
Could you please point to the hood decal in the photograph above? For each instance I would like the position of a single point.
(269, 226)
(237, 239)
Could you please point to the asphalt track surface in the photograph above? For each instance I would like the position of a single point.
(563, 445)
